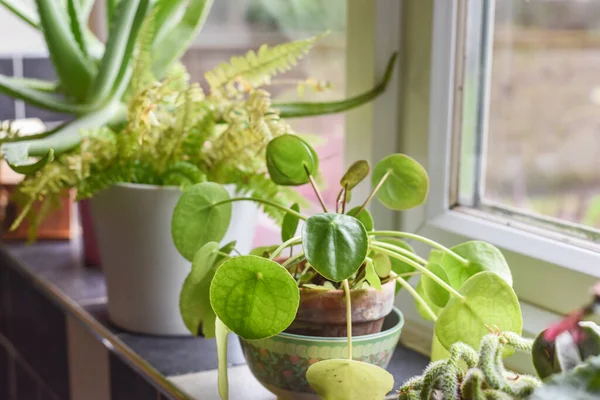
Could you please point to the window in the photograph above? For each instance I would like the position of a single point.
(233, 29)
(530, 135)
(506, 92)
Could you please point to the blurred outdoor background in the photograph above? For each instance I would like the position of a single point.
(543, 143)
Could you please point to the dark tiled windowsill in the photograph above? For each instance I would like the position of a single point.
(56, 269)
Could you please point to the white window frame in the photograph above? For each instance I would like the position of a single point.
(552, 273)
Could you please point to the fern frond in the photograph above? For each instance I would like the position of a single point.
(142, 67)
(256, 69)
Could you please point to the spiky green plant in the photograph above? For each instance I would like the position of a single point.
(94, 79)
(467, 374)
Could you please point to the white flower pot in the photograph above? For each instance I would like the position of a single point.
(143, 269)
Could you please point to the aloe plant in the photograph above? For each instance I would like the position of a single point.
(94, 78)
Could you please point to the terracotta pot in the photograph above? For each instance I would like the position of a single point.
(323, 313)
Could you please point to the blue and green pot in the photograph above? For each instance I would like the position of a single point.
(280, 362)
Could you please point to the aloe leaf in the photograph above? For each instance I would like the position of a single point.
(74, 70)
(28, 16)
(164, 16)
(77, 23)
(295, 110)
(64, 139)
(30, 168)
(119, 49)
(18, 88)
(111, 8)
(86, 8)
(38, 84)
(175, 42)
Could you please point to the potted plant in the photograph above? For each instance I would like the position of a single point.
(565, 356)
(344, 265)
(172, 135)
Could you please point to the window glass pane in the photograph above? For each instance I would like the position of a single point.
(236, 26)
(536, 149)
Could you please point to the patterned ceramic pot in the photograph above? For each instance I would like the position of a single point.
(280, 362)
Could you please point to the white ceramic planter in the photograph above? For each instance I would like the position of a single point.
(143, 269)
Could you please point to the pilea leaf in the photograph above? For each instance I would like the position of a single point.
(488, 300)
(289, 158)
(407, 184)
(382, 264)
(436, 310)
(355, 174)
(255, 297)
(349, 380)
(197, 221)
(371, 275)
(481, 257)
(364, 216)
(335, 245)
(438, 295)
(399, 267)
(263, 251)
(221, 332)
(290, 224)
(194, 301)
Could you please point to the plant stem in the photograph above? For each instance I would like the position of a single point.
(348, 317)
(315, 188)
(400, 250)
(420, 239)
(293, 259)
(267, 202)
(421, 268)
(344, 199)
(416, 296)
(291, 242)
(373, 192)
(222, 253)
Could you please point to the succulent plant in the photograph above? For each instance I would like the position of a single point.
(467, 374)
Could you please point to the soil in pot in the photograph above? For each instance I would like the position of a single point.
(323, 313)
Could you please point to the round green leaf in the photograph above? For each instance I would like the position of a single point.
(482, 257)
(335, 245)
(383, 265)
(290, 224)
(263, 251)
(255, 297)
(288, 160)
(399, 267)
(194, 302)
(355, 174)
(437, 294)
(421, 292)
(488, 299)
(364, 216)
(407, 184)
(349, 380)
(371, 275)
(196, 221)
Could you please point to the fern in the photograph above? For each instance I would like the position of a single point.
(256, 69)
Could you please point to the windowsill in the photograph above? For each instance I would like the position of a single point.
(180, 367)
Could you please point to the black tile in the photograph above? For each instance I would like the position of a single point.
(127, 384)
(7, 104)
(41, 68)
(4, 377)
(4, 299)
(37, 329)
(25, 384)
